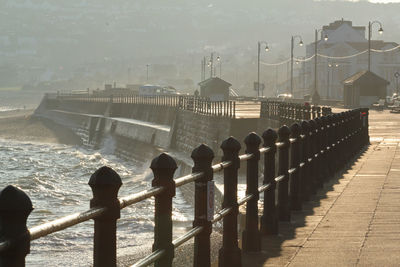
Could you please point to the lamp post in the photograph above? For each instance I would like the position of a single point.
(380, 31)
(397, 75)
(220, 66)
(291, 59)
(315, 94)
(258, 63)
(211, 65)
(330, 75)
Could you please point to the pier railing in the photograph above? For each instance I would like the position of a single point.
(199, 105)
(288, 113)
(306, 155)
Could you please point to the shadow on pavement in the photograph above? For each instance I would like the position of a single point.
(279, 249)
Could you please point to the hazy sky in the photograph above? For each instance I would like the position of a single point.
(376, 1)
(385, 1)
(382, 1)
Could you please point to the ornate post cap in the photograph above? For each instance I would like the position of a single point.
(295, 130)
(283, 133)
(269, 137)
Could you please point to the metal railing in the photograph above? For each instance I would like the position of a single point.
(288, 113)
(306, 154)
(199, 105)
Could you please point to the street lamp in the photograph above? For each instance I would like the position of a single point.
(211, 64)
(291, 59)
(330, 65)
(397, 75)
(220, 66)
(258, 63)
(315, 94)
(380, 31)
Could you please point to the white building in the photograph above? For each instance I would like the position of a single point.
(344, 40)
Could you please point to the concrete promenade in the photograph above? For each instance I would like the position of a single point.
(355, 219)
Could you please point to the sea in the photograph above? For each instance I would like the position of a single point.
(55, 177)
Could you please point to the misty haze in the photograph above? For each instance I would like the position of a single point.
(199, 133)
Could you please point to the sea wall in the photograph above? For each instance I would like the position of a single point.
(162, 126)
(140, 132)
(192, 129)
(164, 115)
(91, 128)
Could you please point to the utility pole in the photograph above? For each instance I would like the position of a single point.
(328, 67)
(380, 31)
(258, 69)
(201, 75)
(211, 64)
(258, 63)
(291, 65)
(369, 46)
(147, 73)
(315, 61)
(291, 60)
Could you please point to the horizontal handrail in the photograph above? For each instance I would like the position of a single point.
(149, 259)
(134, 198)
(191, 233)
(280, 144)
(64, 222)
(264, 150)
(246, 157)
(245, 199)
(188, 178)
(220, 166)
(264, 187)
(221, 214)
(279, 178)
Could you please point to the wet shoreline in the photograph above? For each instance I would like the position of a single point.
(21, 125)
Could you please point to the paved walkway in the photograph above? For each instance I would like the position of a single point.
(355, 219)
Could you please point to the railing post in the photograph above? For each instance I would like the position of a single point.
(305, 181)
(365, 124)
(324, 164)
(342, 140)
(319, 160)
(334, 141)
(105, 183)
(202, 157)
(283, 163)
(251, 235)
(313, 112)
(269, 219)
(328, 125)
(308, 112)
(230, 253)
(295, 183)
(15, 207)
(318, 111)
(163, 167)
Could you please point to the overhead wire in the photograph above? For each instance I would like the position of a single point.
(387, 50)
(303, 59)
(329, 57)
(342, 57)
(275, 64)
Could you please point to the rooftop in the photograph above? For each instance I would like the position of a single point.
(366, 76)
